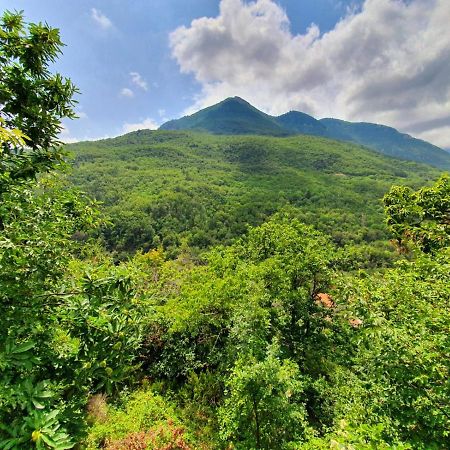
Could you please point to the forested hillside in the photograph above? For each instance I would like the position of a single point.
(229, 292)
(182, 188)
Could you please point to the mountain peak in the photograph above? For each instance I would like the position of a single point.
(236, 99)
(300, 122)
(234, 115)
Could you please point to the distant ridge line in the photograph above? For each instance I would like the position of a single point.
(235, 115)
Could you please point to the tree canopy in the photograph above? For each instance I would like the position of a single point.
(32, 98)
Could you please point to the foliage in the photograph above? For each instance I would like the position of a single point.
(44, 431)
(62, 337)
(169, 188)
(265, 406)
(13, 137)
(362, 437)
(369, 362)
(401, 351)
(33, 99)
(50, 320)
(421, 217)
(261, 288)
(148, 421)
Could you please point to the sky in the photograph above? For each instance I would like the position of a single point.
(139, 63)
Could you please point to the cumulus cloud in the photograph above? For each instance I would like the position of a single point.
(66, 136)
(126, 92)
(137, 80)
(100, 19)
(386, 62)
(146, 124)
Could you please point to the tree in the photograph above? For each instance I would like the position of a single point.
(32, 99)
(420, 217)
(48, 321)
(264, 408)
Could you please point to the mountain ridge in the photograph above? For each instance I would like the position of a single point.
(236, 116)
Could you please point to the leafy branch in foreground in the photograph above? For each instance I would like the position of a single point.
(32, 99)
(420, 217)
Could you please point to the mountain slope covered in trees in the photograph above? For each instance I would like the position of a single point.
(176, 188)
(236, 116)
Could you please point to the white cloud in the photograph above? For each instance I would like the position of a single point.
(126, 92)
(81, 114)
(137, 80)
(100, 19)
(65, 135)
(146, 124)
(386, 62)
(161, 112)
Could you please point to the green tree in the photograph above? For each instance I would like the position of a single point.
(264, 407)
(33, 100)
(420, 217)
(53, 318)
(399, 350)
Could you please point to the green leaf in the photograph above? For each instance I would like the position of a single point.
(37, 404)
(23, 347)
(50, 442)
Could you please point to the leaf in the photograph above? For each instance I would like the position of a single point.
(50, 442)
(45, 394)
(23, 347)
(64, 445)
(37, 404)
(9, 443)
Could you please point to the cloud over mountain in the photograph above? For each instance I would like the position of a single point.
(387, 62)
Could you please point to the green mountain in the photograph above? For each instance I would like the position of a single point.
(302, 123)
(236, 116)
(388, 141)
(231, 116)
(177, 188)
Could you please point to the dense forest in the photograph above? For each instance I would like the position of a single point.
(189, 190)
(176, 290)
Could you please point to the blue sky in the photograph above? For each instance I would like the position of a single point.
(140, 62)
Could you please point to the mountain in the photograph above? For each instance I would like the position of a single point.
(236, 116)
(387, 140)
(302, 123)
(231, 116)
(173, 187)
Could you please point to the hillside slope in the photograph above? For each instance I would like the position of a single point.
(236, 116)
(179, 188)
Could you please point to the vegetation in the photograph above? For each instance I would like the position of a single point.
(58, 323)
(180, 189)
(237, 325)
